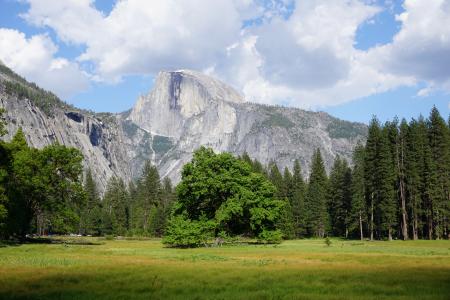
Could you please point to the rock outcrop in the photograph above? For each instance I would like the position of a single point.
(185, 110)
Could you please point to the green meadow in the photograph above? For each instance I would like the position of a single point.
(91, 268)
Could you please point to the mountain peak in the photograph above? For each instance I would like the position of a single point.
(176, 97)
(208, 86)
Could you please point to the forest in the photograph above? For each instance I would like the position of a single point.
(397, 187)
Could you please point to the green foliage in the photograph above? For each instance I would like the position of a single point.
(223, 189)
(339, 197)
(276, 119)
(91, 219)
(328, 241)
(270, 237)
(316, 198)
(115, 207)
(344, 129)
(297, 200)
(358, 194)
(43, 99)
(183, 232)
(45, 185)
(2, 122)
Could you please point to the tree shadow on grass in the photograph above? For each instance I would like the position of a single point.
(47, 240)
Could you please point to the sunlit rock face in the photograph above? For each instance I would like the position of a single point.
(191, 110)
(184, 111)
(183, 96)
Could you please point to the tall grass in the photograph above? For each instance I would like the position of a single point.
(303, 269)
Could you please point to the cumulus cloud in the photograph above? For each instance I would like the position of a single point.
(309, 59)
(34, 58)
(421, 49)
(299, 53)
(141, 37)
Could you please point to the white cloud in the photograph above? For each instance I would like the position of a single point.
(308, 60)
(421, 49)
(305, 57)
(34, 58)
(141, 37)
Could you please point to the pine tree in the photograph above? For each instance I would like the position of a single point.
(316, 206)
(385, 176)
(277, 179)
(283, 186)
(335, 195)
(148, 197)
(115, 212)
(358, 191)
(91, 214)
(430, 182)
(417, 143)
(401, 176)
(4, 163)
(298, 200)
(163, 208)
(438, 136)
(288, 184)
(370, 176)
(339, 197)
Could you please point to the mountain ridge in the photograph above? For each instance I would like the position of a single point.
(184, 110)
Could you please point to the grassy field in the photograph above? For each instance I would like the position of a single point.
(303, 269)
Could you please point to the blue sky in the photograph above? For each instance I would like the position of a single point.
(353, 59)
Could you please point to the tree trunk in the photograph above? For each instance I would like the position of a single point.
(360, 226)
(400, 164)
(430, 226)
(404, 213)
(371, 218)
(415, 229)
(390, 234)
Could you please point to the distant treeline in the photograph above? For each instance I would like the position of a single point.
(398, 186)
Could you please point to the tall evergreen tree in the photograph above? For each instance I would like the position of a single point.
(339, 197)
(298, 200)
(163, 208)
(415, 169)
(316, 206)
(370, 176)
(277, 179)
(115, 212)
(358, 190)
(4, 163)
(148, 197)
(283, 191)
(438, 136)
(385, 171)
(400, 156)
(91, 213)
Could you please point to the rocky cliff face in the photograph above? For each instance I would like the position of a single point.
(191, 110)
(185, 110)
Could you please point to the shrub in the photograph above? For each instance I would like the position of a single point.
(183, 232)
(270, 237)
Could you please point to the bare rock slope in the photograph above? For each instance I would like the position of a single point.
(185, 110)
